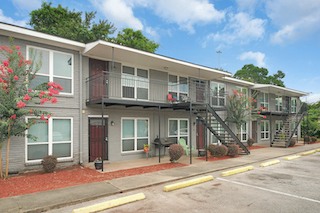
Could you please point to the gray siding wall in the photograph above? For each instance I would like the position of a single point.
(67, 106)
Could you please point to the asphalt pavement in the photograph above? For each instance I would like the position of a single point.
(43, 201)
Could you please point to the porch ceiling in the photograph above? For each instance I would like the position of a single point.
(267, 88)
(103, 50)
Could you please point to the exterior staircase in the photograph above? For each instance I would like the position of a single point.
(286, 133)
(213, 122)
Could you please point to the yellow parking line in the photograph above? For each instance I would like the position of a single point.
(187, 183)
(235, 171)
(110, 204)
(269, 163)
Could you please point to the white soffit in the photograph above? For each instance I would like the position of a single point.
(278, 90)
(35, 36)
(238, 81)
(103, 50)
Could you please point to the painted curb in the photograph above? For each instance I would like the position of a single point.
(269, 163)
(318, 150)
(309, 153)
(187, 183)
(110, 203)
(235, 171)
(292, 157)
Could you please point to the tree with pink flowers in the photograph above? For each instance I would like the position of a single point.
(16, 73)
(241, 109)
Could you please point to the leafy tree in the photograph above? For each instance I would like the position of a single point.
(61, 22)
(135, 39)
(313, 126)
(241, 109)
(16, 73)
(255, 74)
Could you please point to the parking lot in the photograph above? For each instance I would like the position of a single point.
(290, 186)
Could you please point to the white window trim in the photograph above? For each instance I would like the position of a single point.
(51, 67)
(50, 143)
(178, 85)
(242, 132)
(265, 100)
(179, 135)
(135, 78)
(265, 131)
(135, 138)
(279, 103)
(294, 107)
(218, 96)
(279, 123)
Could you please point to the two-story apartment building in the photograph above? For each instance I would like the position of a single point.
(116, 99)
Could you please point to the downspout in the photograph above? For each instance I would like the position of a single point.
(80, 111)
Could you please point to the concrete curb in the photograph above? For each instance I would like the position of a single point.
(110, 203)
(269, 163)
(318, 150)
(293, 157)
(187, 183)
(309, 153)
(236, 171)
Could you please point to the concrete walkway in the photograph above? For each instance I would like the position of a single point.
(42, 201)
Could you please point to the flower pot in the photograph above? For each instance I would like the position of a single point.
(98, 165)
(146, 149)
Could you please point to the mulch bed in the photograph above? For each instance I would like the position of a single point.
(256, 147)
(77, 175)
(216, 159)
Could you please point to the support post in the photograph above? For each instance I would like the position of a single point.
(103, 136)
(206, 134)
(159, 131)
(190, 134)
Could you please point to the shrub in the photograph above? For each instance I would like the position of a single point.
(233, 150)
(292, 142)
(49, 163)
(175, 152)
(306, 139)
(314, 139)
(250, 142)
(218, 150)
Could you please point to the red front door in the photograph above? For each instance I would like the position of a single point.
(200, 135)
(98, 135)
(98, 79)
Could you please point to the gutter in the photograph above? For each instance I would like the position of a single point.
(80, 110)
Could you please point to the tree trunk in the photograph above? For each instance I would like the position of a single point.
(8, 146)
(239, 134)
(1, 166)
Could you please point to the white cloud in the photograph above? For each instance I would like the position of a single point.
(242, 28)
(257, 56)
(295, 18)
(184, 13)
(9, 20)
(247, 5)
(153, 33)
(119, 13)
(313, 98)
(24, 5)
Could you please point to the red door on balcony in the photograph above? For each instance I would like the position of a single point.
(98, 138)
(98, 80)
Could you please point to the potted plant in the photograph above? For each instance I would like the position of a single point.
(98, 163)
(146, 147)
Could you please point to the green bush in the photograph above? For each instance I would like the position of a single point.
(314, 139)
(233, 150)
(175, 152)
(217, 150)
(250, 142)
(292, 142)
(49, 163)
(306, 139)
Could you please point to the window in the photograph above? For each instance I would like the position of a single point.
(244, 132)
(264, 100)
(279, 125)
(279, 103)
(56, 66)
(135, 83)
(293, 105)
(293, 125)
(242, 90)
(178, 128)
(135, 133)
(178, 87)
(218, 94)
(54, 138)
(217, 127)
(264, 129)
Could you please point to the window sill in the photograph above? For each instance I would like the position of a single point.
(38, 162)
(132, 153)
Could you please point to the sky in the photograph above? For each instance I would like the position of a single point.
(274, 34)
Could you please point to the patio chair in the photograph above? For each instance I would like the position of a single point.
(186, 148)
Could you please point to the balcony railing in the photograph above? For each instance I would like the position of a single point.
(110, 85)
